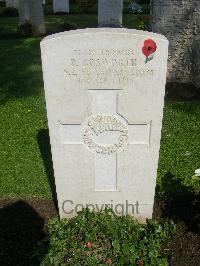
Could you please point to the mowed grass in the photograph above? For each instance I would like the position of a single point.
(52, 22)
(23, 116)
(24, 158)
(180, 148)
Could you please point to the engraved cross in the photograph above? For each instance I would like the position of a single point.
(105, 133)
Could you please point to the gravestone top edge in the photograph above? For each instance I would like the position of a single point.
(103, 30)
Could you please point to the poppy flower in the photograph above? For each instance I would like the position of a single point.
(149, 48)
(88, 244)
(109, 261)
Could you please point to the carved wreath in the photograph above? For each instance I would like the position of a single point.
(101, 123)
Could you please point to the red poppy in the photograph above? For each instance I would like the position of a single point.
(109, 261)
(88, 244)
(149, 47)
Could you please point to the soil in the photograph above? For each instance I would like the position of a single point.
(23, 223)
(183, 249)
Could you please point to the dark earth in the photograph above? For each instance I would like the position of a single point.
(23, 222)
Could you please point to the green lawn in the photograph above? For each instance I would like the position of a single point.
(180, 147)
(23, 115)
(24, 158)
(9, 25)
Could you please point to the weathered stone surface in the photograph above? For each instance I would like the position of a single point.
(24, 11)
(110, 13)
(61, 6)
(104, 91)
(32, 11)
(179, 21)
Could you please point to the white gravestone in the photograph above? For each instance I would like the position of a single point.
(12, 3)
(110, 13)
(104, 92)
(24, 11)
(32, 11)
(61, 6)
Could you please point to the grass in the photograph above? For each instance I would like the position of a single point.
(25, 169)
(23, 115)
(9, 25)
(180, 152)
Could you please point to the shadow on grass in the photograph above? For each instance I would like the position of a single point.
(21, 227)
(177, 202)
(45, 149)
(21, 72)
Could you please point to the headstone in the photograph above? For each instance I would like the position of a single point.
(12, 3)
(104, 92)
(32, 11)
(61, 6)
(134, 7)
(110, 13)
(24, 11)
(179, 21)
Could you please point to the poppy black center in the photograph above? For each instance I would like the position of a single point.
(149, 48)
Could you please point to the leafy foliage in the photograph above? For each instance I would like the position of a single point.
(103, 238)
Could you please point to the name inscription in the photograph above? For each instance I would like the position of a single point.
(105, 66)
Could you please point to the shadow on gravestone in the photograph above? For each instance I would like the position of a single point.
(21, 227)
(45, 149)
